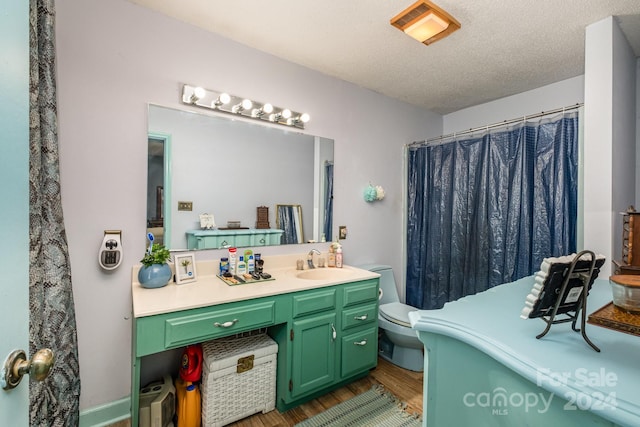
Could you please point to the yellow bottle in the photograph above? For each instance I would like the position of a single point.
(189, 407)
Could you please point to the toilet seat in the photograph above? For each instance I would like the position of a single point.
(397, 312)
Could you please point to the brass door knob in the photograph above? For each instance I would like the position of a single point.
(16, 365)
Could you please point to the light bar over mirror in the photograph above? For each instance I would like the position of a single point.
(239, 106)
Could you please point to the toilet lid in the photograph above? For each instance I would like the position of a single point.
(397, 313)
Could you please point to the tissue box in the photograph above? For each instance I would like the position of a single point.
(238, 379)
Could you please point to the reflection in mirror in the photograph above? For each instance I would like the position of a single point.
(157, 167)
(230, 168)
(289, 219)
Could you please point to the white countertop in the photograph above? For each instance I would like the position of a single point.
(210, 290)
(490, 322)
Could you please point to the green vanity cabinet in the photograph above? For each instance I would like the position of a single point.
(327, 336)
(334, 339)
(313, 357)
(359, 323)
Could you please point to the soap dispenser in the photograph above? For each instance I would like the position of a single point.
(339, 256)
(331, 258)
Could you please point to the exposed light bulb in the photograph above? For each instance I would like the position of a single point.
(259, 112)
(286, 113)
(198, 93)
(222, 99)
(244, 105)
(303, 118)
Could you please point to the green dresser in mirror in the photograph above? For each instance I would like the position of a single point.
(219, 239)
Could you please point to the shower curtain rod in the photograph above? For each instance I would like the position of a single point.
(495, 125)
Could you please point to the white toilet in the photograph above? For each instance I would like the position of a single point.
(398, 343)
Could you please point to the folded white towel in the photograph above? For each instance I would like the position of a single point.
(525, 313)
(542, 276)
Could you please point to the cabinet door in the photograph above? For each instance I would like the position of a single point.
(314, 354)
(359, 352)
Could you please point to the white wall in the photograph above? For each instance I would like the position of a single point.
(609, 137)
(556, 95)
(115, 57)
(623, 138)
(637, 204)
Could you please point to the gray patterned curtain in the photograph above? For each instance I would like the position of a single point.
(52, 323)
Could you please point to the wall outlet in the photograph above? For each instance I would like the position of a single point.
(342, 232)
(185, 206)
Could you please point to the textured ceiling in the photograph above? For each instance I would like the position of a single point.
(504, 46)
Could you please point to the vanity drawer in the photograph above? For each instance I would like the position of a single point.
(214, 323)
(358, 316)
(313, 302)
(361, 292)
(359, 352)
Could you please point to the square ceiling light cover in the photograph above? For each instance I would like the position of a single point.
(425, 22)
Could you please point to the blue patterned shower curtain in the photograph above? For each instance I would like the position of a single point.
(52, 324)
(487, 209)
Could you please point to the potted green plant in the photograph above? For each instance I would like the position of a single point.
(155, 272)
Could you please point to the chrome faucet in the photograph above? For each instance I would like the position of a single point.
(310, 257)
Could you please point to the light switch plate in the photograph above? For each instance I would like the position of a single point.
(342, 232)
(185, 206)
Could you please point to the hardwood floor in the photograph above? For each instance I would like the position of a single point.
(405, 385)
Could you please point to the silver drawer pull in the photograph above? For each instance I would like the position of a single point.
(363, 317)
(262, 241)
(225, 324)
(363, 342)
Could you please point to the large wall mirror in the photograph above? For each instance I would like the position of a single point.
(229, 168)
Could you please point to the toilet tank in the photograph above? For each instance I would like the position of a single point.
(388, 289)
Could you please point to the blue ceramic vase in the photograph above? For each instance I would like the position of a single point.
(154, 276)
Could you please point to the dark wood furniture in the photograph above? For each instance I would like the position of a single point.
(630, 261)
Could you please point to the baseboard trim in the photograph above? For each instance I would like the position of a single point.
(107, 414)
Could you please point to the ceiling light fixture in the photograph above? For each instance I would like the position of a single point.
(225, 103)
(425, 22)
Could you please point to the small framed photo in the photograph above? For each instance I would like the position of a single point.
(207, 222)
(185, 265)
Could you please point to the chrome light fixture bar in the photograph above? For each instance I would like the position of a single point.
(231, 104)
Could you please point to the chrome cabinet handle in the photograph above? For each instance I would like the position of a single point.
(224, 243)
(226, 324)
(363, 317)
(262, 241)
(334, 334)
(361, 343)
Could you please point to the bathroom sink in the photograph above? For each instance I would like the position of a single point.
(324, 274)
